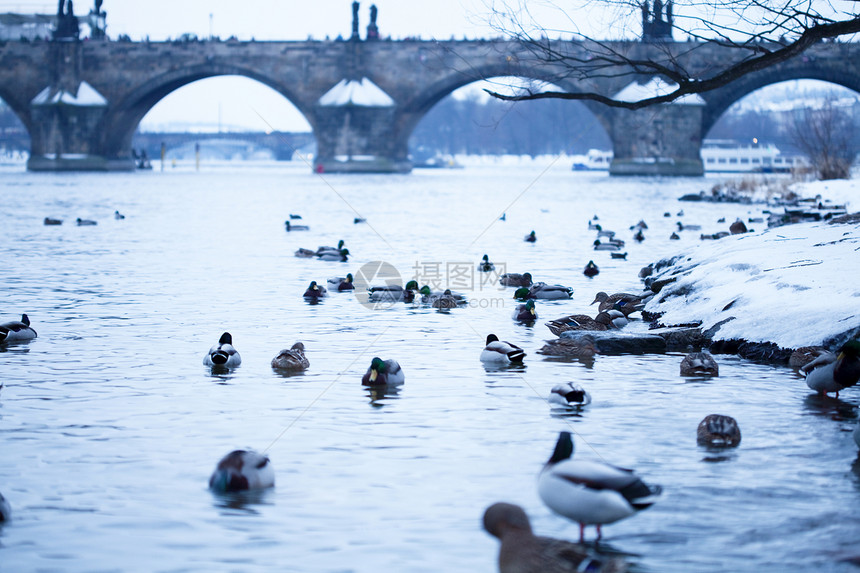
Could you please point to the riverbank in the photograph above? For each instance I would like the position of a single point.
(787, 286)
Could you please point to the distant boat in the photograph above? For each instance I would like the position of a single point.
(594, 160)
(728, 156)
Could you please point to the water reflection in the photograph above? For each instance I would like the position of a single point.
(242, 501)
(833, 408)
(380, 394)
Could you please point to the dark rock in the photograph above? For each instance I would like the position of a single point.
(759, 351)
(611, 342)
(682, 338)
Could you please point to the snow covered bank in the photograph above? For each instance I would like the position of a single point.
(796, 285)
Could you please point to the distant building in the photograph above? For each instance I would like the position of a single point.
(15, 27)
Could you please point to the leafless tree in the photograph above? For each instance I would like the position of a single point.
(759, 34)
(826, 135)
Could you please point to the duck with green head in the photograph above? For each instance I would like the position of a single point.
(314, 291)
(341, 284)
(485, 265)
(526, 312)
(383, 373)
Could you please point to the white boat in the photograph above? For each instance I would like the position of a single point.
(728, 156)
(594, 160)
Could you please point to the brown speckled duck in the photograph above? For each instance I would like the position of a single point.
(292, 358)
(699, 364)
(717, 430)
(574, 322)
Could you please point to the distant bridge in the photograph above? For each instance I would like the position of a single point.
(81, 101)
(281, 144)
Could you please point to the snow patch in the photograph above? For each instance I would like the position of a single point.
(85, 96)
(654, 88)
(363, 93)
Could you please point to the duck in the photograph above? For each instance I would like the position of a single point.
(804, 355)
(601, 232)
(315, 291)
(305, 253)
(292, 227)
(522, 551)
(569, 395)
(118, 216)
(501, 352)
(526, 312)
(485, 265)
(618, 255)
(737, 227)
(242, 470)
(393, 293)
(581, 349)
(639, 236)
(223, 353)
(716, 430)
(626, 303)
(832, 372)
(699, 364)
(445, 301)
(530, 238)
(574, 322)
(341, 284)
(429, 296)
(5, 509)
(515, 280)
(295, 216)
(598, 246)
(591, 269)
(611, 318)
(591, 493)
(341, 255)
(646, 271)
(292, 358)
(683, 227)
(85, 222)
(335, 250)
(674, 236)
(383, 373)
(17, 330)
(50, 221)
(549, 292)
(640, 225)
(358, 220)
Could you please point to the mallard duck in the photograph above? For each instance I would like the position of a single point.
(445, 301)
(5, 509)
(291, 227)
(699, 364)
(530, 238)
(291, 358)
(718, 431)
(341, 284)
(639, 236)
(305, 253)
(515, 280)
(569, 395)
(429, 296)
(223, 353)
(338, 255)
(242, 470)
(737, 227)
(618, 255)
(834, 372)
(523, 293)
(485, 265)
(674, 237)
(118, 216)
(523, 552)
(683, 227)
(611, 318)
(804, 355)
(331, 250)
(646, 272)
(591, 493)
(85, 222)
(393, 293)
(574, 322)
(314, 291)
(544, 291)
(598, 246)
(640, 225)
(581, 349)
(526, 312)
(295, 216)
(626, 303)
(601, 232)
(17, 330)
(383, 373)
(50, 221)
(501, 352)
(591, 269)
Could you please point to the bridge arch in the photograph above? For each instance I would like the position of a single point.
(120, 124)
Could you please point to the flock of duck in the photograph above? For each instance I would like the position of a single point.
(587, 492)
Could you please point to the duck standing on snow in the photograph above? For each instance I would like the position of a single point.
(524, 552)
(718, 431)
(383, 373)
(314, 291)
(834, 372)
(569, 395)
(292, 358)
(223, 353)
(530, 238)
(591, 493)
(485, 265)
(591, 270)
(515, 280)
(526, 312)
(500, 352)
(699, 364)
(17, 330)
(341, 284)
(242, 470)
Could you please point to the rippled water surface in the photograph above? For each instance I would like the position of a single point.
(110, 425)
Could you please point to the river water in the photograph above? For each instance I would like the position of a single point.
(110, 425)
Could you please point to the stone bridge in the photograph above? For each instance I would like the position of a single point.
(81, 101)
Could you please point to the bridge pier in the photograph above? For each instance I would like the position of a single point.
(660, 140)
(359, 139)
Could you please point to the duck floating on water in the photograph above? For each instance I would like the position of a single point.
(516, 280)
(118, 216)
(501, 352)
(242, 470)
(574, 322)
(522, 551)
(223, 353)
(591, 493)
(485, 265)
(383, 373)
(716, 430)
(699, 364)
(85, 222)
(832, 372)
(17, 330)
(526, 312)
(50, 221)
(293, 227)
(543, 291)
(530, 238)
(591, 270)
(569, 395)
(292, 358)
(315, 291)
(341, 255)
(341, 284)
